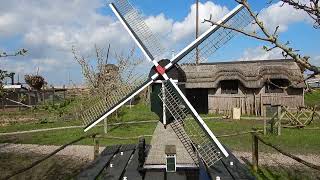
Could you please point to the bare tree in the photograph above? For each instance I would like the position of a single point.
(272, 38)
(106, 77)
(21, 52)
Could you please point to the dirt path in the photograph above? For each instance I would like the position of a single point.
(79, 151)
(86, 153)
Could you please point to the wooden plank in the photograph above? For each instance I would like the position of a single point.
(132, 168)
(218, 169)
(96, 167)
(119, 163)
(155, 175)
(236, 168)
(179, 175)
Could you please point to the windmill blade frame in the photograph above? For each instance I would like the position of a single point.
(191, 130)
(184, 52)
(120, 103)
(133, 22)
(160, 70)
(200, 120)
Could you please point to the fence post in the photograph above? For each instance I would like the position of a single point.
(279, 120)
(64, 92)
(255, 151)
(105, 121)
(264, 125)
(96, 147)
(53, 95)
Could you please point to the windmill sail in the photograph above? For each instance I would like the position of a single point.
(208, 43)
(103, 106)
(137, 28)
(191, 130)
(215, 37)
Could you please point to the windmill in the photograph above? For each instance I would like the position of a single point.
(189, 127)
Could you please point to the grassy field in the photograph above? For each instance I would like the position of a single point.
(56, 167)
(313, 98)
(292, 140)
(296, 141)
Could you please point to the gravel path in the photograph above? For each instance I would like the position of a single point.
(86, 153)
(78, 151)
(275, 159)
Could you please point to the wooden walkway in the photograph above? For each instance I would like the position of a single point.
(120, 162)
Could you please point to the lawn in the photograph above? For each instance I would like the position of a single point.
(56, 167)
(292, 140)
(296, 141)
(313, 98)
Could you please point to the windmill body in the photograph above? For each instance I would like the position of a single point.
(179, 120)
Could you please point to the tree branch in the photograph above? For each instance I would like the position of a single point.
(22, 52)
(271, 38)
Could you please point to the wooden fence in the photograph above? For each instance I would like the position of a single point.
(252, 104)
(255, 153)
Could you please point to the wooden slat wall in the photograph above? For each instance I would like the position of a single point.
(251, 104)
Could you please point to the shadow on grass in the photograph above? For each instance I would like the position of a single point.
(57, 167)
(281, 171)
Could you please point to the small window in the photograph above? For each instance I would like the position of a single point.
(171, 163)
(276, 85)
(229, 87)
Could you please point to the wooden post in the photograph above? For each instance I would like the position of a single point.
(255, 155)
(29, 98)
(96, 147)
(52, 96)
(19, 97)
(43, 96)
(3, 103)
(64, 92)
(261, 104)
(265, 125)
(105, 123)
(279, 120)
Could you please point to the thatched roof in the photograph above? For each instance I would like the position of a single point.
(252, 74)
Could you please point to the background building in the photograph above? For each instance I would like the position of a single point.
(248, 85)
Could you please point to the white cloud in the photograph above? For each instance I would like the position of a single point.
(186, 28)
(48, 29)
(282, 16)
(258, 53)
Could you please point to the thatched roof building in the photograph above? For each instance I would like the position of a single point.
(249, 85)
(252, 74)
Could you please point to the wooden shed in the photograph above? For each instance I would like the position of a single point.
(248, 85)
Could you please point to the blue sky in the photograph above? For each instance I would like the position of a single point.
(48, 29)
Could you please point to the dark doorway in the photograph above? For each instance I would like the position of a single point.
(199, 99)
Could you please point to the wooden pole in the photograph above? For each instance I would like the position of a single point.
(197, 30)
(105, 123)
(279, 120)
(265, 125)
(64, 92)
(255, 155)
(96, 147)
(52, 96)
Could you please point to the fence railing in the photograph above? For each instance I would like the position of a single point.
(255, 153)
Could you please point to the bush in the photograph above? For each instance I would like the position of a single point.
(35, 81)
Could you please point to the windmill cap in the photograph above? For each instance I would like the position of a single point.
(175, 72)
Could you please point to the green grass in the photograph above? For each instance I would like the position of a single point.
(56, 167)
(292, 140)
(312, 98)
(37, 125)
(59, 137)
(286, 172)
